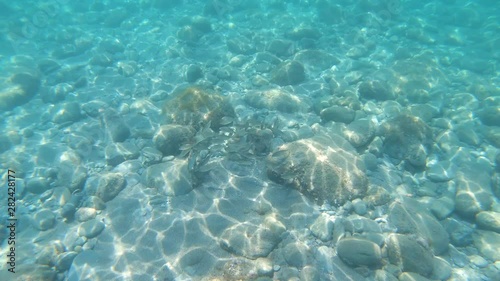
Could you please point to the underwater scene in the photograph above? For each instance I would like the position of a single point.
(226, 140)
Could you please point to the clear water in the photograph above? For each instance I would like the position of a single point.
(250, 140)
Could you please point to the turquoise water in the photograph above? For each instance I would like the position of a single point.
(250, 140)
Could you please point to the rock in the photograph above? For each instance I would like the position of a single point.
(115, 127)
(288, 73)
(68, 211)
(376, 90)
(412, 217)
(442, 269)
(377, 196)
(253, 241)
(359, 252)
(488, 220)
(359, 132)
(359, 206)
(169, 138)
(197, 107)
(442, 207)
(296, 254)
(488, 243)
(404, 136)
(303, 33)
(460, 233)
(411, 276)
(68, 113)
(193, 73)
(170, 178)
(110, 185)
(409, 255)
(84, 214)
(280, 47)
(442, 171)
(57, 93)
(197, 261)
(38, 185)
(337, 114)
(240, 45)
(316, 60)
(471, 197)
(91, 228)
(64, 260)
(116, 153)
(189, 34)
(489, 115)
(44, 220)
(274, 99)
(309, 273)
(322, 168)
(18, 90)
(322, 228)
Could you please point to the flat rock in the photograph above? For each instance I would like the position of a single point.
(337, 114)
(359, 252)
(110, 185)
(289, 73)
(409, 255)
(376, 90)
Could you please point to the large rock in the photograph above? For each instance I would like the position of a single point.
(488, 243)
(409, 255)
(322, 168)
(170, 178)
(375, 89)
(359, 252)
(274, 99)
(110, 185)
(18, 90)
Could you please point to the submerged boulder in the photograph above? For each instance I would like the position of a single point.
(322, 168)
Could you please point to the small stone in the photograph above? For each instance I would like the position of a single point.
(360, 132)
(91, 228)
(442, 207)
(478, 261)
(172, 178)
(359, 252)
(116, 153)
(69, 113)
(459, 232)
(115, 126)
(442, 269)
(169, 138)
(38, 185)
(360, 207)
(322, 228)
(296, 254)
(44, 220)
(110, 185)
(488, 243)
(68, 211)
(280, 47)
(441, 171)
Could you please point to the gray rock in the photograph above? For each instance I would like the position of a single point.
(253, 241)
(322, 228)
(375, 89)
(296, 254)
(197, 262)
(288, 73)
(274, 99)
(280, 47)
(359, 206)
(460, 233)
(91, 228)
(115, 127)
(68, 113)
(38, 185)
(442, 269)
(489, 115)
(442, 207)
(170, 178)
(409, 255)
(324, 169)
(22, 87)
(193, 73)
(441, 171)
(169, 138)
(84, 214)
(116, 153)
(473, 194)
(57, 93)
(309, 273)
(377, 196)
(488, 243)
(411, 276)
(64, 260)
(316, 60)
(412, 217)
(240, 45)
(488, 220)
(337, 114)
(359, 252)
(110, 185)
(359, 132)
(44, 220)
(359, 224)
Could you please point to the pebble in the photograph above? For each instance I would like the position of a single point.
(322, 228)
(359, 252)
(91, 228)
(44, 220)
